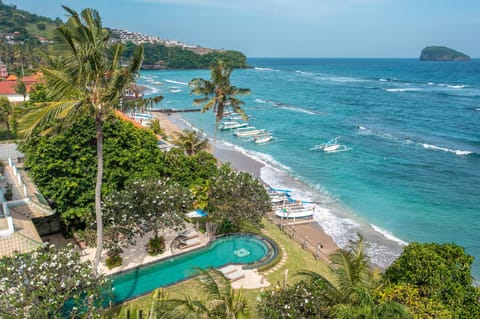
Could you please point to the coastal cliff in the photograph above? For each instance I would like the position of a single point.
(438, 53)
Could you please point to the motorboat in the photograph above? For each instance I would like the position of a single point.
(231, 125)
(331, 146)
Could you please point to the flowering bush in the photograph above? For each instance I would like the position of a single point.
(50, 283)
(237, 197)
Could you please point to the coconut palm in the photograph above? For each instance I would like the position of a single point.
(21, 88)
(191, 141)
(7, 113)
(223, 302)
(350, 293)
(84, 77)
(218, 93)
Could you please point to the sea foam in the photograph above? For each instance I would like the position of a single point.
(439, 148)
(176, 82)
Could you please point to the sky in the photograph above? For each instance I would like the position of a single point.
(292, 28)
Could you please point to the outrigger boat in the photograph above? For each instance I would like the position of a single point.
(331, 146)
(300, 212)
(263, 139)
(231, 125)
(248, 131)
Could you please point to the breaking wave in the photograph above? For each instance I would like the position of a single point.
(176, 82)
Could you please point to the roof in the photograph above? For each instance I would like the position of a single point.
(7, 87)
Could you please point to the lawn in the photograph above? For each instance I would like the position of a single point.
(297, 259)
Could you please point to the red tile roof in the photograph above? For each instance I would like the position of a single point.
(8, 87)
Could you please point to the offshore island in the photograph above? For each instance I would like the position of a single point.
(440, 53)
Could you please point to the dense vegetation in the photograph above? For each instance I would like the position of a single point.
(25, 50)
(160, 56)
(427, 281)
(439, 53)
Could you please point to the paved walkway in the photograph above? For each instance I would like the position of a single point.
(282, 261)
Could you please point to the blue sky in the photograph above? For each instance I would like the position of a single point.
(293, 28)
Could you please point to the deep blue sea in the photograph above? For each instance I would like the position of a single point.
(412, 171)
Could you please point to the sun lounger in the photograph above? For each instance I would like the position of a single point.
(236, 275)
(228, 269)
(189, 234)
(186, 243)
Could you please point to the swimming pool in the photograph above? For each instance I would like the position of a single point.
(232, 249)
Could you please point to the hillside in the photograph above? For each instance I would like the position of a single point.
(439, 53)
(24, 35)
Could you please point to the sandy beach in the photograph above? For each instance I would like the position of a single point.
(241, 162)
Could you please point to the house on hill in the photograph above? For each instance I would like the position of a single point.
(7, 86)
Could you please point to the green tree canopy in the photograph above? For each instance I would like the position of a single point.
(191, 141)
(441, 272)
(63, 166)
(237, 197)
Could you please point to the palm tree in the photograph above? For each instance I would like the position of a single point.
(351, 291)
(21, 88)
(7, 113)
(191, 141)
(218, 93)
(223, 302)
(85, 77)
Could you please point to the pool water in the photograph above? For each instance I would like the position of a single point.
(234, 249)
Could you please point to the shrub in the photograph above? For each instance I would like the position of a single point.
(156, 246)
(113, 258)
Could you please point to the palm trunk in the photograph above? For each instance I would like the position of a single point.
(98, 190)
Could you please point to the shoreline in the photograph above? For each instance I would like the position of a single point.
(241, 162)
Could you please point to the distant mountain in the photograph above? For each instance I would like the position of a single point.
(439, 53)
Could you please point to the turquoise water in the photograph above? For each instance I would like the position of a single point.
(236, 249)
(413, 171)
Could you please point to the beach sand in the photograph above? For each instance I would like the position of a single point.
(241, 162)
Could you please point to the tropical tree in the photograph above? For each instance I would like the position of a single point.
(191, 141)
(64, 167)
(157, 128)
(7, 114)
(218, 93)
(21, 88)
(156, 204)
(223, 302)
(50, 283)
(84, 76)
(349, 293)
(236, 198)
(440, 272)
(120, 227)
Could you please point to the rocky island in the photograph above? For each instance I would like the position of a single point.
(439, 53)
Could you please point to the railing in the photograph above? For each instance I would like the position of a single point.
(303, 240)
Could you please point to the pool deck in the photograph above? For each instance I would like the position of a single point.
(137, 255)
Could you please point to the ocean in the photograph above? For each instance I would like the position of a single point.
(412, 130)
